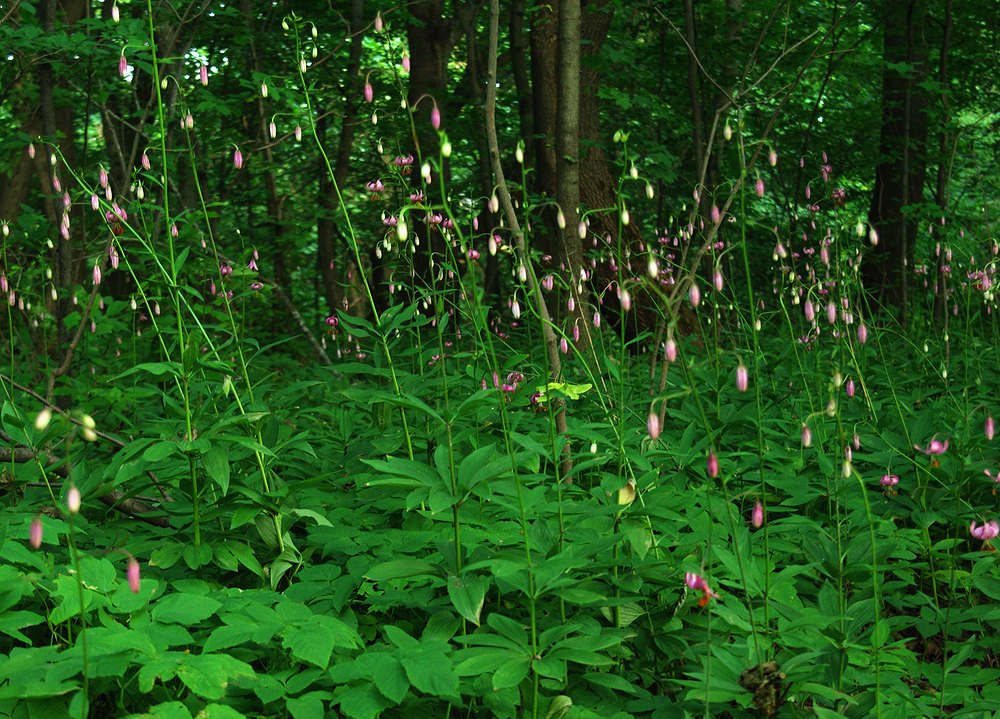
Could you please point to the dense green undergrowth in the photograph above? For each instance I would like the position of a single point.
(466, 581)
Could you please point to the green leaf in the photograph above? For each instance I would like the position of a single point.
(401, 569)
(362, 702)
(184, 608)
(159, 451)
(166, 554)
(308, 706)
(511, 673)
(157, 369)
(467, 595)
(387, 674)
(166, 710)
(208, 675)
(12, 622)
(216, 462)
(313, 641)
(196, 557)
(229, 635)
(430, 671)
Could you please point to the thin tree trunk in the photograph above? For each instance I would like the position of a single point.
(901, 171)
(330, 273)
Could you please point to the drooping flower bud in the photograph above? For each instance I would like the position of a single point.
(238, 159)
(132, 574)
(203, 75)
(42, 419)
(742, 377)
(122, 65)
(35, 533)
(73, 499)
(694, 294)
(670, 350)
(653, 424)
(436, 117)
(989, 428)
(712, 465)
(757, 516)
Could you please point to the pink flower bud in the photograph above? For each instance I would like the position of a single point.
(989, 428)
(757, 516)
(717, 280)
(597, 320)
(742, 378)
(132, 574)
(35, 533)
(806, 436)
(862, 333)
(369, 92)
(73, 499)
(378, 22)
(694, 294)
(564, 345)
(715, 214)
(759, 187)
(849, 387)
(436, 118)
(97, 274)
(405, 62)
(203, 75)
(144, 161)
(772, 158)
(122, 65)
(670, 350)
(712, 465)
(238, 159)
(653, 425)
(831, 313)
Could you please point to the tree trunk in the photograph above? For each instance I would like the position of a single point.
(901, 170)
(326, 257)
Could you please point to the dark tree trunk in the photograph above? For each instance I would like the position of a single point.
(901, 170)
(330, 272)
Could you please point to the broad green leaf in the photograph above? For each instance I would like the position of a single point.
(208, 675)
(511, 673)
(387, 674)
(166, 554)
(216, 461)
(430, 671)
(308, 706)
(196, 557)
(12, 622)
(313, 640)
(362, 702)
(400, 569)
(467, 595)
(166, 710)
(184, 608)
